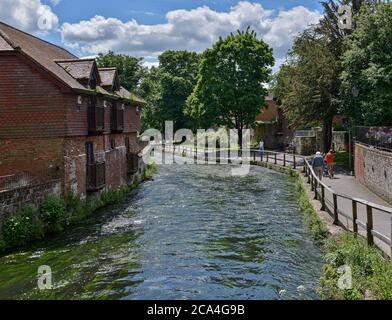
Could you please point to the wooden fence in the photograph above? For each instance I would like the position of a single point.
(364, 218)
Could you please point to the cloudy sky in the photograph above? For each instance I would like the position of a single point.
(148, 27)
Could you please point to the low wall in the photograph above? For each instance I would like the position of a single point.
(12, 200)
(373, 168)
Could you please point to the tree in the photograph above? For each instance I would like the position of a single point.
(306, 83)
(230, 88)
(367, 66)
(167, 88)
(130, 69)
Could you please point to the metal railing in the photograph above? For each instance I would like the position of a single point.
(377, 137)
(364, 218)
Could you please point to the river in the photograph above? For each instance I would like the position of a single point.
(193, 233)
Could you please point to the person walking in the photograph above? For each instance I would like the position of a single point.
(261, 146)
(329, 159)
(318, 165)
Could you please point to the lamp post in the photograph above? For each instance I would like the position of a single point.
(355, 93)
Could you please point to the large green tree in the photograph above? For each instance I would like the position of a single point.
(367, 66)
(230, 88)
(130, 69)
(306, 84)
(167, 87)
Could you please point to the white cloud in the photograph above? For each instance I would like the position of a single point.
(194, 29)
(28, 15)
(55, 2)
(150, 64)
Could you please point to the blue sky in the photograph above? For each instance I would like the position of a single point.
(148, 27)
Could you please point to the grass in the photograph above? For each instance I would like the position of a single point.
(371, 271)
(317, 226)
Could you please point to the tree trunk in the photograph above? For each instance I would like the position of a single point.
(327, 134)
(239, 137)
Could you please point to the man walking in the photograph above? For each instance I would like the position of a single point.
(318, 165)
(329, 159)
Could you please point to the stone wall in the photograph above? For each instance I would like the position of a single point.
(13, 200)
(308, 145)
(373, 168)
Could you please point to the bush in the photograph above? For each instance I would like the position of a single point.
(54, 214)
(22, 227)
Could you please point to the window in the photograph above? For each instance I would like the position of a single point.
(112, 143)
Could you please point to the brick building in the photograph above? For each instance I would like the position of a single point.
(64, 118)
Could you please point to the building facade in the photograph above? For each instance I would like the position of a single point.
(63, 118)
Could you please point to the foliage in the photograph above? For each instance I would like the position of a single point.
(22, 228)
(229, 88)
(130, 70)
(318, 227)
(54, 214)
(371, 271)
(342, 160)
(151, 169)
(167, 88)
(307, 84)
(367, 66)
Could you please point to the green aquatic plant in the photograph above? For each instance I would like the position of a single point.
(151, 169)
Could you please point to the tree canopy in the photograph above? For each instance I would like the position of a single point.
(230, 86)
(130, 70)
(167, 87)
(367, 66)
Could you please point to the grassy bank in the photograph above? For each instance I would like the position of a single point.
(371, 271)
(56, 214)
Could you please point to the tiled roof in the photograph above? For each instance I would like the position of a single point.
(41, 52)
(107, 76)
(60, 63)
(79, 69)
(124, 93)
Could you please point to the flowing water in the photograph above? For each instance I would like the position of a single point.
(193, 233)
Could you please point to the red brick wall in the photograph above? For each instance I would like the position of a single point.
(30, 104)
(131, 119)
(76, 115)
(43, 157)
(269, 113)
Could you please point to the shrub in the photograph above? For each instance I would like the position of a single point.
(22, 227)
(54, 214)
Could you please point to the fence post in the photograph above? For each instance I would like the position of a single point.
(276, 161)
(267, 157)
(261, 156)
(312, 183)
(355, 217)
(322, 198)
(284, 159)
(295, 163)
(391, 236)
(254, 155)
(309, 174)
(335, 209)
(369, 225)
(315, 189)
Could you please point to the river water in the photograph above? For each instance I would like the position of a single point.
(193, 233)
